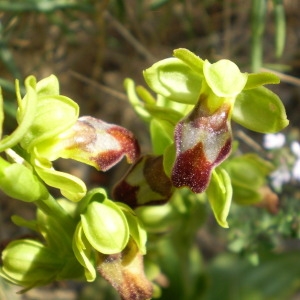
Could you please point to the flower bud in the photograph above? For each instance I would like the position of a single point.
(19, 182)
(29, 263)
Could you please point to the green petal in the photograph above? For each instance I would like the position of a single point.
(48, 86)
(260, 110)
(105, 227)
(219, 193)
(224, 78)
(259, 79)
(70, 186)
(174, 79)
(135, 101)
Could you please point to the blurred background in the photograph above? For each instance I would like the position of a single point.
(92, 46)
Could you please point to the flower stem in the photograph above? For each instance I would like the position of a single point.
(51, 207)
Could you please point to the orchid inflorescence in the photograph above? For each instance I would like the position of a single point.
(191, 133)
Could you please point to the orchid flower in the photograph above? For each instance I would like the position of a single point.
(49, 128)
(196, 102)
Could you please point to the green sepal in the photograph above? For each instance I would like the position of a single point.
(26, 114)
(260, 110)
(258, 79)
(137, 230)
(84, 253)
(191, 59)
(174, 79)
(219, 194)
(105, 227)
(48, 86)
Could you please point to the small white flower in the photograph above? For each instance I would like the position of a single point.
(296, 170)
(273, 141)
(295, 147)
(280, 176)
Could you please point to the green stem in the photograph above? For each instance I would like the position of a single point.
(52, 208)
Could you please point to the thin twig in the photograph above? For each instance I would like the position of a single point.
(99, 86)
(130, 38)
(284, 77)
(249, 141)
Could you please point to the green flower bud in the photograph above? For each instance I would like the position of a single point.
(105, 226)
(29, 263)
(19, 182)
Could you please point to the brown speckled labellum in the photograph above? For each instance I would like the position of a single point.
(100, 144)
(145, 183)
(203, 140)
(125, 272)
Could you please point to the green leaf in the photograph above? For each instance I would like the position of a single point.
(174, 79)
(260, 110)
(191, 59)
(280, 27)
(219, 193)
(105, 227)
(258, 79)
(162, 135)
(224, 78)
